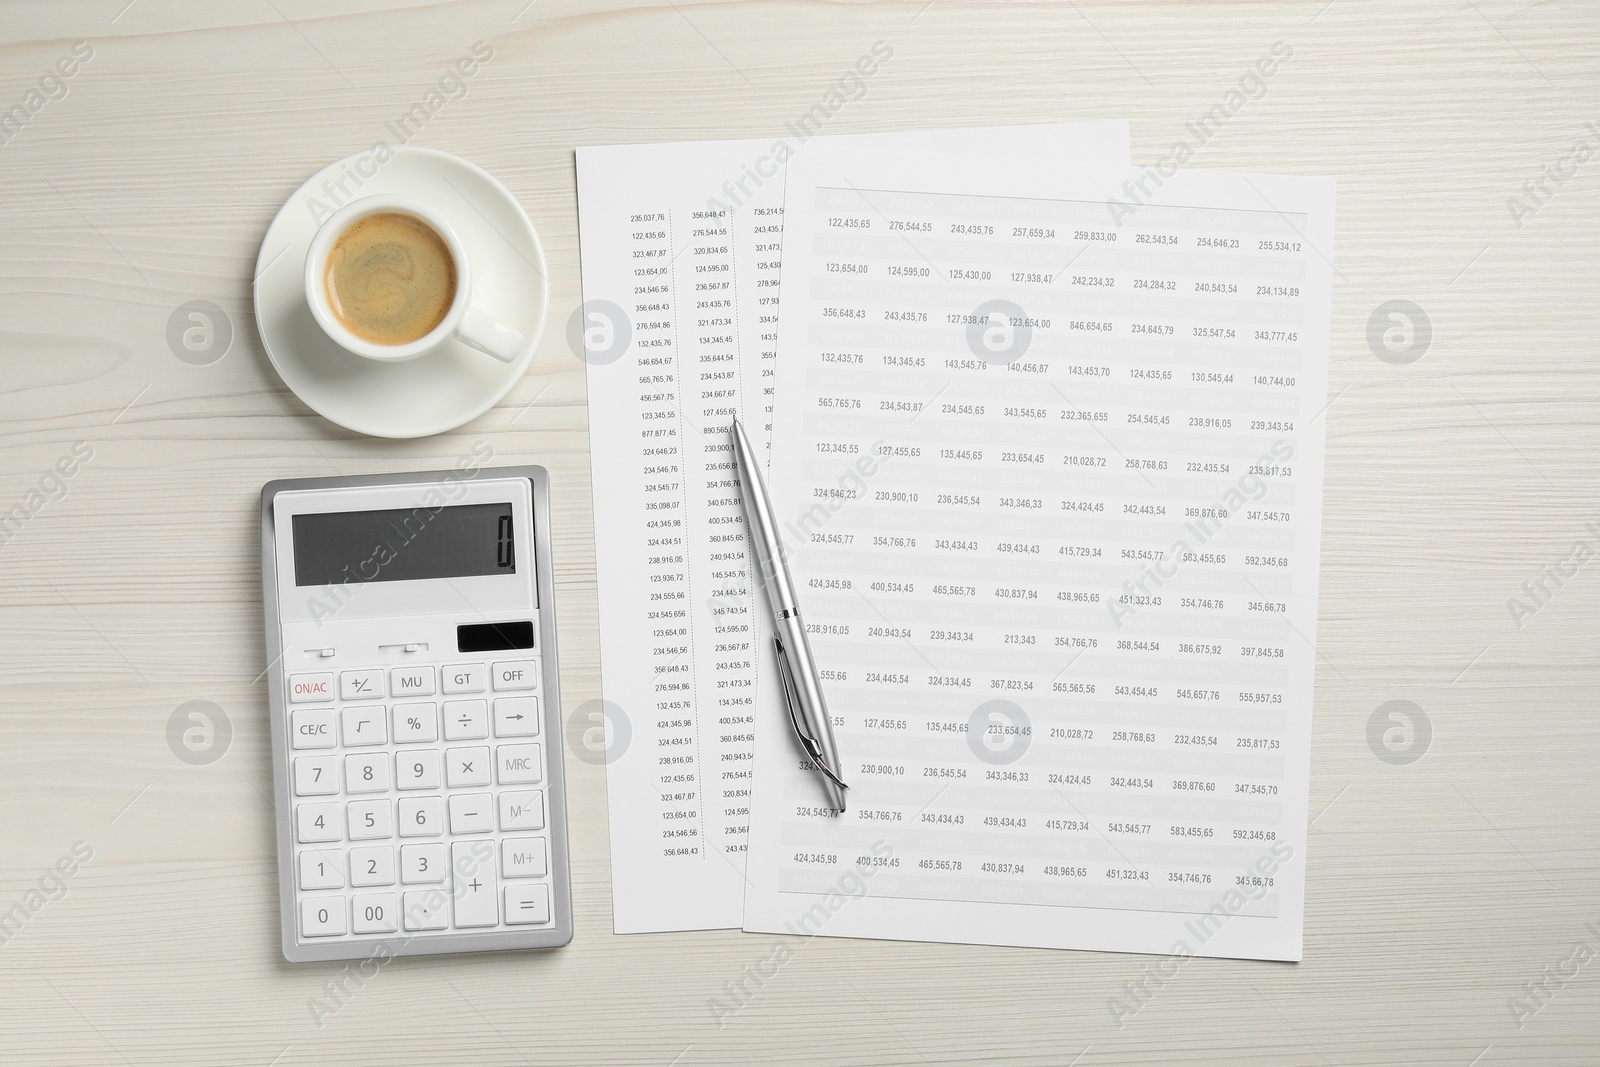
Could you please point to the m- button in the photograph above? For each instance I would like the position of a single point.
(515, 675)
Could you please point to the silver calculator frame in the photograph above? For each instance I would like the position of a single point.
(422, 943)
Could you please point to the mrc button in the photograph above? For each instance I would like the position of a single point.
(516, 674)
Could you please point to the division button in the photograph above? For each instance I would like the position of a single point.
(466, 720)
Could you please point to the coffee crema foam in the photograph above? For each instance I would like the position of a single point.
(390, 278)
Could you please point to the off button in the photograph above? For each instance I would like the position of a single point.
(518, 674)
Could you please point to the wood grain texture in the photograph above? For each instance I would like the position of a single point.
(1437, 889)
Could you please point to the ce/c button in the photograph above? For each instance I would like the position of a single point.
(312, 728)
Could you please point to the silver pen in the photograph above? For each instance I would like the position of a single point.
(797, 672)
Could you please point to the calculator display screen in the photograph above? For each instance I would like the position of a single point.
(403, 544)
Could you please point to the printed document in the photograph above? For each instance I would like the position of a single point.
(681, 246)
(1049, 459)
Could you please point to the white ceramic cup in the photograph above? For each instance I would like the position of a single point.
(462, 322)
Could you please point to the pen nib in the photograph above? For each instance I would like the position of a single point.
(812, 747)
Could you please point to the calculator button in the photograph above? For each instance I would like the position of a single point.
(467, 767)
(363, 726)
(367, 773)
(421, 816)
(372, 865)
(361, 685)
(306, 688)
(418, 769)
(470, 813)
(411, 682)
(422, 864)
(321, 868)
(313, 728)
(322, 917)
(523, 857)
(317, 822)
(415, 722)
(466, 678)
(370, 819)
(517, 764)
(516, 674)
(374, 913)
(522, 810)
(427, 910)
(516, 717)
(475, 894)
(466, 720)
(316, 775)
(526, 904)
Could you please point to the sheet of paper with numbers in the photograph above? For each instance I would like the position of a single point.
(681, 246)
(1051, 463)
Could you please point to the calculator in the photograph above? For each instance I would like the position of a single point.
(414, 699)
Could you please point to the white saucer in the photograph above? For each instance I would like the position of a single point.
(447, 387)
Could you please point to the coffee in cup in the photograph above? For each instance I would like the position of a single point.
(390, 278)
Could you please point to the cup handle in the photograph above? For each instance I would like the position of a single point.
(488, 334)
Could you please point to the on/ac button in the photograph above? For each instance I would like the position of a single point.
(308, 687)
(516, 674)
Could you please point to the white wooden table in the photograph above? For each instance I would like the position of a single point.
(1439, 887)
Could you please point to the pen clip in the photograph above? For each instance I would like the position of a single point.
(791, 698)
